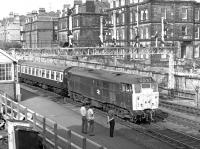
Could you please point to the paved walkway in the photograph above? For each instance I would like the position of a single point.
(68, 116)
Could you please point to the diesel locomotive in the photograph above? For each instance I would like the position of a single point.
(130, 96)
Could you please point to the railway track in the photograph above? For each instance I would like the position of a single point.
(184, 122)
(177, 139)
(180, 108)
(174, 138)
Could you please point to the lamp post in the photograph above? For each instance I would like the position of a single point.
(197, 92)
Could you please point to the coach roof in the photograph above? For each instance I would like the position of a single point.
(43, 65)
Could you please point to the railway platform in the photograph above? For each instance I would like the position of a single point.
(68, 116)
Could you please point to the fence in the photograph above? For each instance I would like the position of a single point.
(54, 135)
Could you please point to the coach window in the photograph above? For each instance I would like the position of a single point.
(43, 73)
(29, 70)
(33, 71)
(61, 76)
(47, 74)
(26, 70)
(23, 69)
(6, 72)
(40, 73)
(57, 76)
(52, 75)
(37, 71)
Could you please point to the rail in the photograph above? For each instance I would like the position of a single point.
(54, 135)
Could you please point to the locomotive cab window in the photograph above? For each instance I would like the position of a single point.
(126, 87)
(154, 86)
(137, 88)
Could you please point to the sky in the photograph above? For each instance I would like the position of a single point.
(22, 7)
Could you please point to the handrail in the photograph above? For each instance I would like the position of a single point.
(48, 128)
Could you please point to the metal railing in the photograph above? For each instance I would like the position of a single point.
(54, 135)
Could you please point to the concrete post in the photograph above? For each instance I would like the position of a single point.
(171, 79)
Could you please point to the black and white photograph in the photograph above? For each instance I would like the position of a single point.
(100, 74)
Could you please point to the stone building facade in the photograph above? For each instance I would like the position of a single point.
(10, 28)
(40, 29)
(182, 21)
(63, 27)
(86, 22)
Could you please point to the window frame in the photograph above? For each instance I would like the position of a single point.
(8, 72)
(196, 32)
(184, 14)
(52, 74)
(185, 31)
(48, 74)
(196, 17)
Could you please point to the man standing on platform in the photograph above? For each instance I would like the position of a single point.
(90, 115)
(83, 112)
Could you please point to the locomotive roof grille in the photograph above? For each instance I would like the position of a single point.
(108, 75)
